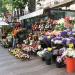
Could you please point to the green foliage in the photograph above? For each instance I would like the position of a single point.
(3, 4)
(0, 3)
(6, 1)
(19, 3)
(0, 6)
(60, 27)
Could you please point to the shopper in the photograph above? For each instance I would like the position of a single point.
(14, 32)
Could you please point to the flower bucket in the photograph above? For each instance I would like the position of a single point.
(70, 63)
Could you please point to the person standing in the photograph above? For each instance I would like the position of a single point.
(14, 34)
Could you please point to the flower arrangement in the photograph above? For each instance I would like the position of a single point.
(70, 52)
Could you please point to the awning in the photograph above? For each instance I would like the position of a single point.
(2, 23)
(1, 19)
(33, 14)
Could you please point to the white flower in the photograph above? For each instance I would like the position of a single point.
(39, 46)
(25, 41)
(41, 53)
(52, 40)
(58, 42)
(64, 53)
(40, 38)
(69, 52)
(59, 59)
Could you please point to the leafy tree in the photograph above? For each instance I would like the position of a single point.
(7, 3)
(19, 3)
(2, 7)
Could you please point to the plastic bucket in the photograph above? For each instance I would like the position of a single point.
(70, 65)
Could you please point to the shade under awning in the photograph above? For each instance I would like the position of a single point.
(33, 14)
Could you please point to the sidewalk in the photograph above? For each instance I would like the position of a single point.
(11, 66)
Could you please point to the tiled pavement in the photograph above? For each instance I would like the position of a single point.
(9, 65)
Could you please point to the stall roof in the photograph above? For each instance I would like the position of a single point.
(33, 14)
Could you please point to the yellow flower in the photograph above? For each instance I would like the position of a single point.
(49, 49)
(71, 45)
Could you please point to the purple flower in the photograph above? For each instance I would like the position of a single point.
(73, 40)
(69, 33)
(58, 38)
(64, 41)
(64, 33)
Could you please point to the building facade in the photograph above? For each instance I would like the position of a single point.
(41, 4)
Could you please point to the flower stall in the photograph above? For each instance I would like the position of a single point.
(61, 43)
(51, 43)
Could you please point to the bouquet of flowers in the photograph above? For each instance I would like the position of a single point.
(70, 52)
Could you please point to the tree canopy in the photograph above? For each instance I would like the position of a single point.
(14, 3)
(2, 7)
(6, 5)
(19, 3)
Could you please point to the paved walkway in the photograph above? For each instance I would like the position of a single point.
(9, 65)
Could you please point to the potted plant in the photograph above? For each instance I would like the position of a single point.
(70, 61)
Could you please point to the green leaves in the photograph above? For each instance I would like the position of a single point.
(19, 3)
(2, 7)
(12, 4)
(60, 27)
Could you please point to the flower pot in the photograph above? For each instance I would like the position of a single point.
(70, 63)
